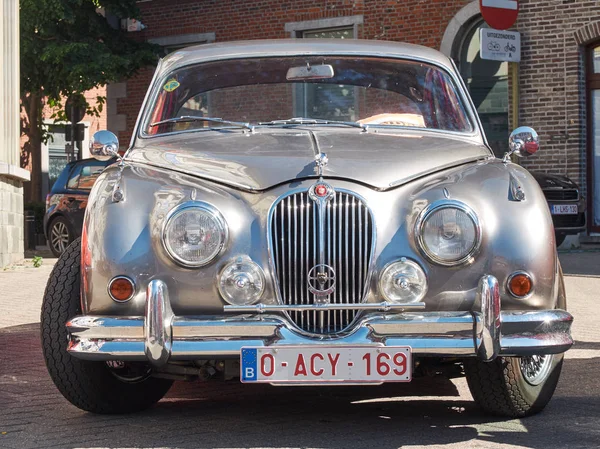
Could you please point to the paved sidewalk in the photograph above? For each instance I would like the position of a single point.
(21, 292)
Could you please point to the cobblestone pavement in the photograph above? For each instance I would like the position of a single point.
(432, 413)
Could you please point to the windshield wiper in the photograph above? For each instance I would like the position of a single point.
(196, 118)
(314, 121)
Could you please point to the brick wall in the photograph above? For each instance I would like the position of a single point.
(552, 75)
(415, 21)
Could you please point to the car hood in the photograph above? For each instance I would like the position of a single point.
(267, 157)
(550, 181)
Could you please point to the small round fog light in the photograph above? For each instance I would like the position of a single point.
(403, 281)
(242, 282)
(520, 284)
(121, 288)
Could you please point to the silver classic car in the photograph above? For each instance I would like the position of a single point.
(309, 212)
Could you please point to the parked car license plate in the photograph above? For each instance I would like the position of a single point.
(564, 209)
(326, 364)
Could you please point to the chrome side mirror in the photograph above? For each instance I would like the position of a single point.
(104, 145)
(523, 141)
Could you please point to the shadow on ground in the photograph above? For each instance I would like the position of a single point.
(580, 263)
(228, 415)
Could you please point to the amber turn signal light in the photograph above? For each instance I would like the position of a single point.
(520, 284)
(121, 289)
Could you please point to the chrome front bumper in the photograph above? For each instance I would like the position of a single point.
(161, 336)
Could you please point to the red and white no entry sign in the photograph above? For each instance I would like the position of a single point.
(499, 14)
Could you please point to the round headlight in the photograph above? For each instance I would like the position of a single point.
(448, 233)
(241, 282)
(194, 234)
(403, 281)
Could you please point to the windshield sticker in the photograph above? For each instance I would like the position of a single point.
(171, 85)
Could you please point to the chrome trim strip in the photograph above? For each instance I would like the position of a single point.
(446, 334)
(264, 308)
(488, 318)
(157, 323)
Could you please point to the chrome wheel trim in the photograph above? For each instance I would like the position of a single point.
(536, 368)
(59, 236)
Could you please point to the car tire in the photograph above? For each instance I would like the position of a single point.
(502, 388)
(60, 235)
(560, 238)
(90, 385)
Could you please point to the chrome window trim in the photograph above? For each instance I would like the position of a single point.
(119, 301)
(508, 289)
(207, 207)
(445, 204)
(476, 130)
(370, 271)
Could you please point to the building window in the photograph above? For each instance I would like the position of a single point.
(593, 101)
(335, 27)
(57, 156)
(311, 98)
(487, 82)
(340, 33)
(177, 42)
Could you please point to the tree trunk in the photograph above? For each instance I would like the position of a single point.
(31, 155)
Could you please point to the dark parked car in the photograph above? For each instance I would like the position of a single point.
(66, 202)
(567, 205)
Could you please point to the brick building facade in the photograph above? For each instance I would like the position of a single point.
(557, 38)
(553, 95)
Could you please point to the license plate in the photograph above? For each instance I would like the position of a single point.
(564, 209)
(326, 364)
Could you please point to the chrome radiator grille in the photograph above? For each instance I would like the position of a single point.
(297, 247)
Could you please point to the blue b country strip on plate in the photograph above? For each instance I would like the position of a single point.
(249, 362)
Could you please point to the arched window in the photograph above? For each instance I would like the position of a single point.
(487, 82)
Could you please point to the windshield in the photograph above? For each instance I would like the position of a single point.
(368, 91)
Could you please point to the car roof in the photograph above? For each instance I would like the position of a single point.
(300, 47)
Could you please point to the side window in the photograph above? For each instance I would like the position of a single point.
(74, 178)
(83, 177)
(89, 174)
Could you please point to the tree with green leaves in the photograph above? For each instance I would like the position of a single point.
(67, 48)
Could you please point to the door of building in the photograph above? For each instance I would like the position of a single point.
(593, 109)
(487, 82)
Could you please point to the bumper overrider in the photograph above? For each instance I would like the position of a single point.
(160, 336)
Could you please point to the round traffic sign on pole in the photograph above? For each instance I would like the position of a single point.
(75, 108)
(499, 14)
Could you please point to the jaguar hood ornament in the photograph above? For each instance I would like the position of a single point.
(321, 161)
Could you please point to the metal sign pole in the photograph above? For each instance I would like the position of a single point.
(73, 130)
